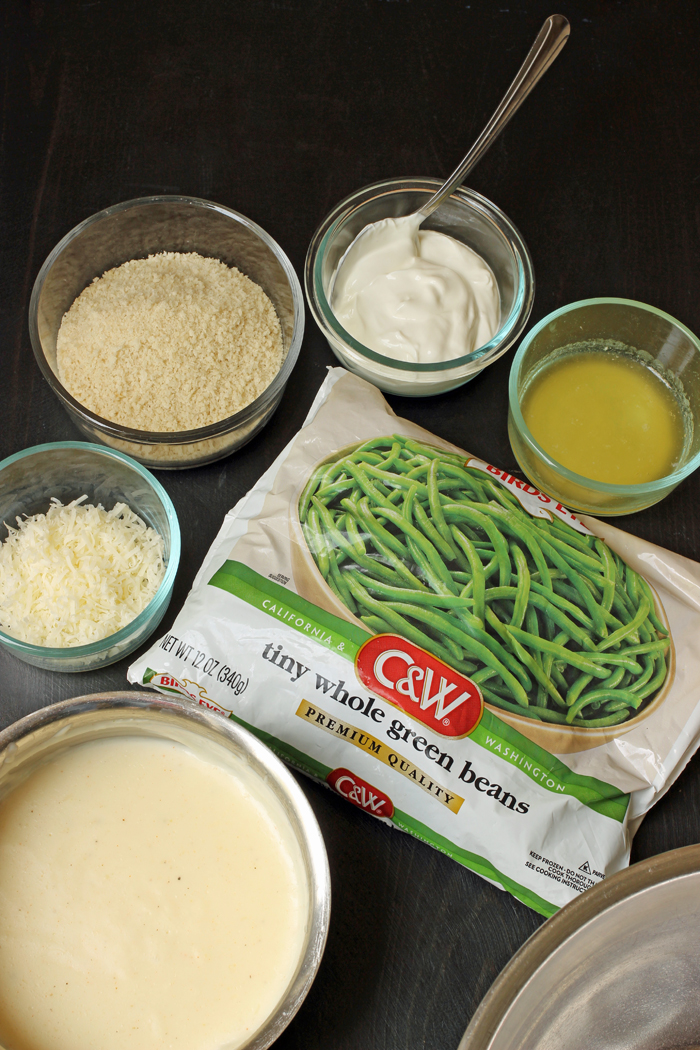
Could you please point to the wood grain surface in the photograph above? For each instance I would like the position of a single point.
(279, 108)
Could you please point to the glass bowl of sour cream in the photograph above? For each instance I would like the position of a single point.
(604, 405)
(418, 312)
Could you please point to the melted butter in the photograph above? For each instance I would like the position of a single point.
(606, 416)
(148, 898)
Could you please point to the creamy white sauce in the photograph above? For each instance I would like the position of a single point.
(148, 898)
(415, 295)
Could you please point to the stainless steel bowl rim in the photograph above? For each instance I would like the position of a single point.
(502, 995)
(319, 873)
(180, 437)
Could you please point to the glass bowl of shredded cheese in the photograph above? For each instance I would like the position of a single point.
(89, 549)
(168, 328)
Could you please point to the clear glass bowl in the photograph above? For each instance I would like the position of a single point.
(134, 230)
(673, 350)
(68, 470)
(466, 216)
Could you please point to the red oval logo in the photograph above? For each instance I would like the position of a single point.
(360, 793)
(415, 681)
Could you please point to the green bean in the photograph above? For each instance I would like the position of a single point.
(610, 720)
(406, 594)
(340, 583)
(534, 667)
(572, 537)
(652, 611)
(367, 562)
(602, 694)
(428, 548)
(556, 615)
(656, 682)
(432, 578)
(592, 606)
(459, 475)
(543, 714)
(362, 511)
(559, 651)
(473, 646)
(618, 660)
(646, 674)
(398, 623)
(319, 542)
(354, 536)
(659, 646)
(574, 555)
(394, 560)
(577, 688)
(329, 492)
(475, 629)
(408, 502)
(523, 591)
(609, 572)
(550, 621)
(457, 512)
(631, 579)
(617, 636)
(448, 550)
(309, 489)
(521, 531)
(369, 489)
(478, 577)
(435, 505)
(376, 624)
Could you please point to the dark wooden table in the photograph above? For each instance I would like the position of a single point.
(279, 108)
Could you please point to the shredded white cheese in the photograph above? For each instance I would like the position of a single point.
(77, 573)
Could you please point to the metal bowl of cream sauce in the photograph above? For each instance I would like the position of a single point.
(616, 969)
(163, 880)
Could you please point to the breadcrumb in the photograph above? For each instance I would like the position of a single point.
(169, 343)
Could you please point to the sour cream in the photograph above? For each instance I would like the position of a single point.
(148, 898)
(415, 295)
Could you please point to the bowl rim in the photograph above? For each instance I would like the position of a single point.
(503, 993)
(510, 329)
(225, 729)
(178, 437)
(649, 487)
(76, 652)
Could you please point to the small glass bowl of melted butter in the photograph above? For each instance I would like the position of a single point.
(604, 410)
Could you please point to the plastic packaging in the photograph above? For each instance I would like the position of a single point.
(446, 647)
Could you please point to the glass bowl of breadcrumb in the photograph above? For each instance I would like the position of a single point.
(168, 328)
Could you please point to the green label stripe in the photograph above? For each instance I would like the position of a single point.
(492, 733)
(402, 820)
(409, 824)
(472, 861)
(501, 739)
(337, 635)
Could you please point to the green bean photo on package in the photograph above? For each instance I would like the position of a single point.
(549, 622)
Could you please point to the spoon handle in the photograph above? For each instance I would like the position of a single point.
(550, 40)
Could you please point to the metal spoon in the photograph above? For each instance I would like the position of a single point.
(549, 42)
